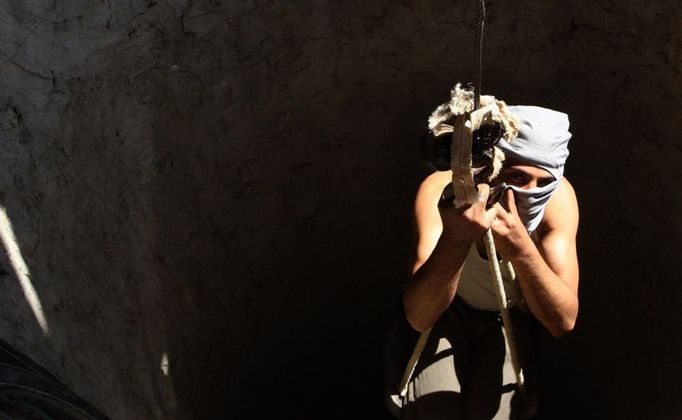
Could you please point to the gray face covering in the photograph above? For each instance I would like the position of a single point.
(543, 142)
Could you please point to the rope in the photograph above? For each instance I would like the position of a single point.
(466, 193)
(488, 238)
(463, 184)
(412, 363)
(504, 310)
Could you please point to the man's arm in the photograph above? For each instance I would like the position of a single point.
(547, 274)
(443, 237)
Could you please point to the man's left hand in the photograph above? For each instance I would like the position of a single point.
(508, 230)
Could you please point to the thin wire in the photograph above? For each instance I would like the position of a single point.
(479, 53)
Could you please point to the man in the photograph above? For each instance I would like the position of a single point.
(465, 370)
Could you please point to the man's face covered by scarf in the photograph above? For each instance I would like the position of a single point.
(542, 142)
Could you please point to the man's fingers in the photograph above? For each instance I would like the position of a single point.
(500, 219)
(483, 193)
(502, 213)
(510, 202)
(506, 198)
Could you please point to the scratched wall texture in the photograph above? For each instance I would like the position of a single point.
(226, 185)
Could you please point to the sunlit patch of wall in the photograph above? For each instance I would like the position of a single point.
(21, 271)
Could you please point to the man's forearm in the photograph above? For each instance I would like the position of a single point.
(548, 296)
(433, 286)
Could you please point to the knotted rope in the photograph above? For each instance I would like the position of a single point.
(466, 193)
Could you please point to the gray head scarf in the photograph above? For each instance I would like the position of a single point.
(543, 142)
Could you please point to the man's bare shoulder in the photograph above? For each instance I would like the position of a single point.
(432, 186)
(435, 182)
(427, 219)
(562, 209)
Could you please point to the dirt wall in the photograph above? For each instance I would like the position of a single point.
(212, 198)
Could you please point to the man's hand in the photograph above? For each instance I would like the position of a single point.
(444, 237)
(547, 272)
(508, 230)
(466, 223)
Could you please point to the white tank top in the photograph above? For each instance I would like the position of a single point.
(477, 288)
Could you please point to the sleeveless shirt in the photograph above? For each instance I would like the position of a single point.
(476, 286)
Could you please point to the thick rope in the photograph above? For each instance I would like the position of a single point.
(504, 309)
(412, 363)
(463, 184)
(488, 239)
(466, 193)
